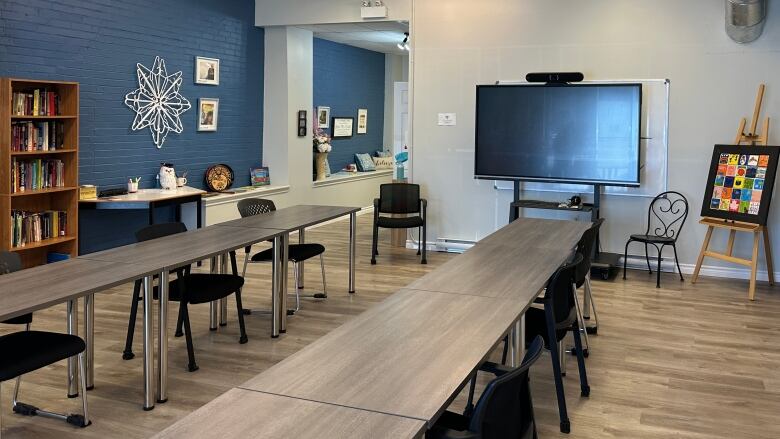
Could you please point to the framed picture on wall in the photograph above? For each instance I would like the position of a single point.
(208, 111)
(740, 184)
(206, 71)
(362, 127)
(323, 118)
(342, 127)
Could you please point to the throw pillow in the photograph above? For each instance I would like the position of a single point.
(364, 163)
(383, 162)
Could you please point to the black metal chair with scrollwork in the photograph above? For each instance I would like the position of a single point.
(665, 219)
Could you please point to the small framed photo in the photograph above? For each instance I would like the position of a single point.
(323, 118)
(208, 111)
(362, 127)
(342, 127)
(206, 71)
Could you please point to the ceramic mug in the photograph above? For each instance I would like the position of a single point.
(181, 181)
(132, 187)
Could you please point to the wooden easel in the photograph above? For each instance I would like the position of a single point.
(749, 138)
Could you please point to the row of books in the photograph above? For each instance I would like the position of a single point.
(29, 227)
(32, 175)
(37, 136)
(38, 102)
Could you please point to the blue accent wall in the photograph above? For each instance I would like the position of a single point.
(98, 43)
(347, 78)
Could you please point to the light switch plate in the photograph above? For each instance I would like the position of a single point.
(447, 119)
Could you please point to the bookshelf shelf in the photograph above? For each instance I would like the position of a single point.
(44, 244)
(43, 191)
(61, 199)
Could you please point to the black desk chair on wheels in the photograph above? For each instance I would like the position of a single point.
(400, 199)
(187, 289)
(26, 351)
(297, 253)
(665, 219)
(505, 409)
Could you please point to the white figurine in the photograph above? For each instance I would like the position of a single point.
(167, 176)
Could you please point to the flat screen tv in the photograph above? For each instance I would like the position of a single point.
(563, 133)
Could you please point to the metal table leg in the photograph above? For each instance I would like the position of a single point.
(301, 240)
(148, 345)
(520, 327)
(73, 329)
(89, 338)
(213, 305)
(352, 240)
(223, 306)
(283, 260)
(276, 288)
(162, 339)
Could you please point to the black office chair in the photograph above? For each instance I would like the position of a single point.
(26, 351)
(505, 409)
(665, 219)
(296, 252)
(187, 288)
(400, 199)
(585, 248)
(558, 317)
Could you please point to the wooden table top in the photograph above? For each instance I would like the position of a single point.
(184, 248)
(538, 232)
(292, 218)
(244, 414)
(148, 195)
(43, 286)
(406, 356)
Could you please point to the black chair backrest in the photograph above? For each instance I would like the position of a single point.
(496, 412)
(559, 295)
(10, 262)
(399, 198)
(155, 231)
(666, 215)
(255, 206)
(585, 247)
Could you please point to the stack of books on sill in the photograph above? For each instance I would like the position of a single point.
(38, 102)
(37, 136)
(33, 175)
(30, 227)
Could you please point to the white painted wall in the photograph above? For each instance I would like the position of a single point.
(461, 43)
(396, 70)
(298, 12)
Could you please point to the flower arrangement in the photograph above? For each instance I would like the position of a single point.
(321, 141)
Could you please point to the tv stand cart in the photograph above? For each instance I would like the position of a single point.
(603, 265)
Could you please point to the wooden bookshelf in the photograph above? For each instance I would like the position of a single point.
(63, 198)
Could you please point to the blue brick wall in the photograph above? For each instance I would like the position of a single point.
(98, 43)
(347, 78)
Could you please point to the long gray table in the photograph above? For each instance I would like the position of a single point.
(239, 413)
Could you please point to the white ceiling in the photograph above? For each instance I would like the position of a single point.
(379, 36)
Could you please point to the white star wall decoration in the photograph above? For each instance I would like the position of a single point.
(157, 102)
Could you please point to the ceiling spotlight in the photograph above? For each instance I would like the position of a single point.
(405, 44)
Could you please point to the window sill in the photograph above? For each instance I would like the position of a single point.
(347, 177)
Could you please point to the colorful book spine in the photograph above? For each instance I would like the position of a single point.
(37, 136)
(32, 175)
(30, 227)
(38, 102)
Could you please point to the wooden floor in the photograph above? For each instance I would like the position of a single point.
(682, 361)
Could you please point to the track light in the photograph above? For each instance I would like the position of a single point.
(405, 44)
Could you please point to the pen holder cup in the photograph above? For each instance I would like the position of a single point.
(132, 187)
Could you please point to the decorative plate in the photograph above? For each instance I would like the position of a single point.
(219, 178)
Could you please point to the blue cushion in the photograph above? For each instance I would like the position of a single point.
(364, 163)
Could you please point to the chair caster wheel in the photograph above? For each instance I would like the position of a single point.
(128, 355)
(565, 427)
(192, 367)
(247, 312)
(605, 276)
(592, 330)
(373, 262)
(585, 392)
(243, 339)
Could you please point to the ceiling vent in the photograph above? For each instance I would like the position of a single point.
(745, 19)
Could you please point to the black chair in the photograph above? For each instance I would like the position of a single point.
(187, 288)
(26, 351)
(665, 219)
(505, 409)
(586, 247)
(400, 199)
(558, 317)
(296, 252)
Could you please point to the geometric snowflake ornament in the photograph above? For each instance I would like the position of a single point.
(157, 102)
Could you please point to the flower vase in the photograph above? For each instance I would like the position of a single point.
(320, 165)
